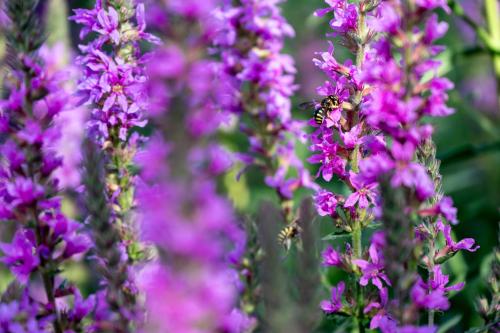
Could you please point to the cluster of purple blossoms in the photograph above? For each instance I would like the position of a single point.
(189, 286)
(71, 121)
(260, 82)
(374, 133)
(113, 81)
(44, 238)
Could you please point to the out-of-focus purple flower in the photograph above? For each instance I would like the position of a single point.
(445, 207)
(440, 280)
(250, 40)
(81, 307)
(432, 295)
(335, 303)
(389, 325)
(433, 4)
(179, 301)
(425, 299)
(21, 256)
(194, 290)
(23, 315)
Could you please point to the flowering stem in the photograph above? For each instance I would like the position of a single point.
(357, 231)
(45, 262)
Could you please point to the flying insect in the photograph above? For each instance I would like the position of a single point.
(326, 105)
(288, 234)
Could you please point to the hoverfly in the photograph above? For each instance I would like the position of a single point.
(326, 105)
(288, 234)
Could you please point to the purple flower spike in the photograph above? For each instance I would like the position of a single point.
(272, 134)
(335, 303)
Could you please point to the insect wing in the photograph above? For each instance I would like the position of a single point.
(308, 105)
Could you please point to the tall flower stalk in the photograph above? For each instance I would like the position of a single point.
(189, 287)
(45, 238)
(370, 141)
(339, 144)
(260, 81)
(112, 85)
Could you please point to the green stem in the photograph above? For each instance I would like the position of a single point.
(357, 231)
(357, 245)
(430, 316)
(493, 20)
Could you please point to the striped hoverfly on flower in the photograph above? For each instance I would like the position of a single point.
(327, 105)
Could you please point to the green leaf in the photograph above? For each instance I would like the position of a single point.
(449, 324)
(336, 235)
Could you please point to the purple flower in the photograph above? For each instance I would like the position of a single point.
(409, 173)
(434, 29)
(21, 256)
(433, 4)
(23, 191)
(81, 307)
(372, 270)
(108, 21)
(364, 194)
(335, 303)
(352, 138)
(445, 207)
(389, 325)
(380, 306)
(465, 244)
(429, 299)
(326, 203)
(141, 26)
(331, 162)
(439, 281)
(23, 315)
(331, 257)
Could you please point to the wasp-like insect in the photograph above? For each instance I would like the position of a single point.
(288, 234)
(327, 105)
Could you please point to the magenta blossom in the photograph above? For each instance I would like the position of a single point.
(364, 194)
(429, 299)
(326, 203)
(331, 257)
(21, 256)
(335, 303)
(465, 244)
(372, 270)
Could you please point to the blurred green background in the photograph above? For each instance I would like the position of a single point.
(468, 143)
